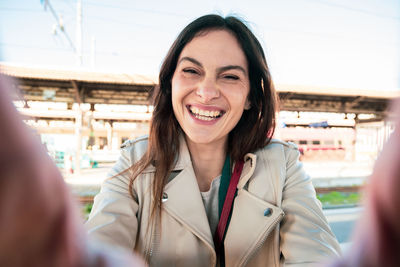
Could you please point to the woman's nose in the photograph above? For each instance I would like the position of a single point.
(207, 90)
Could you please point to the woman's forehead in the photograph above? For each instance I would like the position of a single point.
(215, 46)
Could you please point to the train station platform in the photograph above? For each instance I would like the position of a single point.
(338, 173)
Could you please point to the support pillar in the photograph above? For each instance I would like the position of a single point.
(78, 136)
(354, 147)
(109, 127)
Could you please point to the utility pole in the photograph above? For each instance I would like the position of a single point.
(78, 51)
(79, 112)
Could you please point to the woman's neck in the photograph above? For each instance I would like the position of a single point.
(208, 161)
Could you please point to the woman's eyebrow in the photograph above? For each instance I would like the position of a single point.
(221, 69)
(232, 67)
(194, 61)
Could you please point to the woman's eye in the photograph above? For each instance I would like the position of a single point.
(231, 77)
(190, 71)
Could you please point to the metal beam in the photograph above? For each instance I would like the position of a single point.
(77, 92)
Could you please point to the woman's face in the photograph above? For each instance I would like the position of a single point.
(210, 87)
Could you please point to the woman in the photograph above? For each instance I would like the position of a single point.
(171, 197)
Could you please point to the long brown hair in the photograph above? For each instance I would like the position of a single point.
(253, 131)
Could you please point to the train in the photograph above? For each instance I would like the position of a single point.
(320, 143)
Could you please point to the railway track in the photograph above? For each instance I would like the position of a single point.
(342, 189)
(320, 190)
(85, 199)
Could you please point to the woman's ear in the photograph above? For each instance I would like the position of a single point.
(247, 105)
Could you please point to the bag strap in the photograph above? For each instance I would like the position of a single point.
(227, 207)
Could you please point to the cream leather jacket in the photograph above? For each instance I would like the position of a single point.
(295, 233)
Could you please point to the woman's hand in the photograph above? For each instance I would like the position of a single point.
(39, 225)
(377, 239)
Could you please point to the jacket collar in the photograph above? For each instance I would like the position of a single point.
(183, 160)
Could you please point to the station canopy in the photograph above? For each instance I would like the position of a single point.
(81, 86)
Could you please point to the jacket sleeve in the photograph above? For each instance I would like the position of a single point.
(306, 237)
(113, 218)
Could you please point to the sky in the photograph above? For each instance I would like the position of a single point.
(327, 43)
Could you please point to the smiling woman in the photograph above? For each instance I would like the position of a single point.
(209, 187)
(210, 88)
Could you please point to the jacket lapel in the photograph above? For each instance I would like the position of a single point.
(184, 201)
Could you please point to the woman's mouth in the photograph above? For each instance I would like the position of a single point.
(205, 115)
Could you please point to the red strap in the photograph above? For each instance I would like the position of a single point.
(226, 209)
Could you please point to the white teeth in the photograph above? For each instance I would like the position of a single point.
(203, 118)
(204, 114)
(194, 110)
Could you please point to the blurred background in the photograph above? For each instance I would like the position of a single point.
(82, 70)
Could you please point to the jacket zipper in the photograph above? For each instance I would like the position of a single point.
(149, 248)
(154, 239)
(262, 240)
